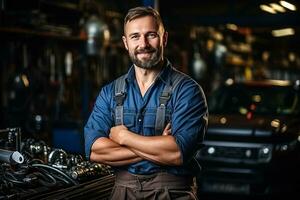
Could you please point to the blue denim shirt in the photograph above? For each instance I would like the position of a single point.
(186, 110)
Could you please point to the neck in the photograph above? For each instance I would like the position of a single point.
(146, 77)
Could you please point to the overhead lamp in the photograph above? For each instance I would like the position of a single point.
(232, 27)
(283, 32)
(292, 56)
(277, 7)
(267, 9)
(97, 34)
(229, 81)
(288, 5)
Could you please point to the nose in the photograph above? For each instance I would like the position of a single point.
(143, 41)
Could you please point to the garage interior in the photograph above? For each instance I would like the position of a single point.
(52, 68)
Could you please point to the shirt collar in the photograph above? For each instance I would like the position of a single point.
(164, 75)
(130, 74)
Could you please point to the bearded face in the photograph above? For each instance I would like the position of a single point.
(146, 58)
(145, 41)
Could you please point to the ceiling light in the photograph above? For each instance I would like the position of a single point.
(283, 32)
(267, 9)
(277, 7)
(292, 57)
(288, 5)
(229, 81)
(232, 27)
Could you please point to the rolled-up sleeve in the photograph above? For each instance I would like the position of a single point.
(189, 118)
(100, 120)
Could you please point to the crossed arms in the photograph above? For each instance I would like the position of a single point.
(125, 147)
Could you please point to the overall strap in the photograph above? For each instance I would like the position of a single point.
(120, 94)
(176, 77)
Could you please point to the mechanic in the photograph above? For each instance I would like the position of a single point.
(149, 123)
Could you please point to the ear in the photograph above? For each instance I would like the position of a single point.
(125, 42)
(165, 38)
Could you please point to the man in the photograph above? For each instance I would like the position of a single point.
(149, 164)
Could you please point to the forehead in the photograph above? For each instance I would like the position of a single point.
(141, 24)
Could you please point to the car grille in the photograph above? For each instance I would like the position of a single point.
(236, 152)
(232, 152)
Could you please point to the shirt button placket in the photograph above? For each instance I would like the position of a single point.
(140, 122)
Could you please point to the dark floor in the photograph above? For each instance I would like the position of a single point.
(286, 196)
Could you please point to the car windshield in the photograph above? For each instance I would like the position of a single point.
(261, 100)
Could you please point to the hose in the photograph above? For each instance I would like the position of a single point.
(66, 176)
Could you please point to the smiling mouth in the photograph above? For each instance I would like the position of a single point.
(144, 54)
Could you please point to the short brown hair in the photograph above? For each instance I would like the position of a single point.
(138, 12)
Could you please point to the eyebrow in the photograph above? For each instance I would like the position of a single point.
(135, 33)
(138, 33)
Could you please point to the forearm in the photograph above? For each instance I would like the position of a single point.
(158, 149)
(106, 151)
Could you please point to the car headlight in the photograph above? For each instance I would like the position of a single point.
(211, 150)
(284, 147)
(265, 153)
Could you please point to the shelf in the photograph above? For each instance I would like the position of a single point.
(49, 34)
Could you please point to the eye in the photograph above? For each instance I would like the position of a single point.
(134, 37)
(152, 35)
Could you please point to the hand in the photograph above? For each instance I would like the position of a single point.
(167, 130)
(117, 133)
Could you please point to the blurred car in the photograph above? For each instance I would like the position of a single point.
(252, 141)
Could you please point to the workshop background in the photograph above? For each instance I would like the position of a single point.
(55, 55)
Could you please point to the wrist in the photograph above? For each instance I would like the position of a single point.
(124, 135)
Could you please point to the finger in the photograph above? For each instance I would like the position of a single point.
(168, 126)
(167, 132)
